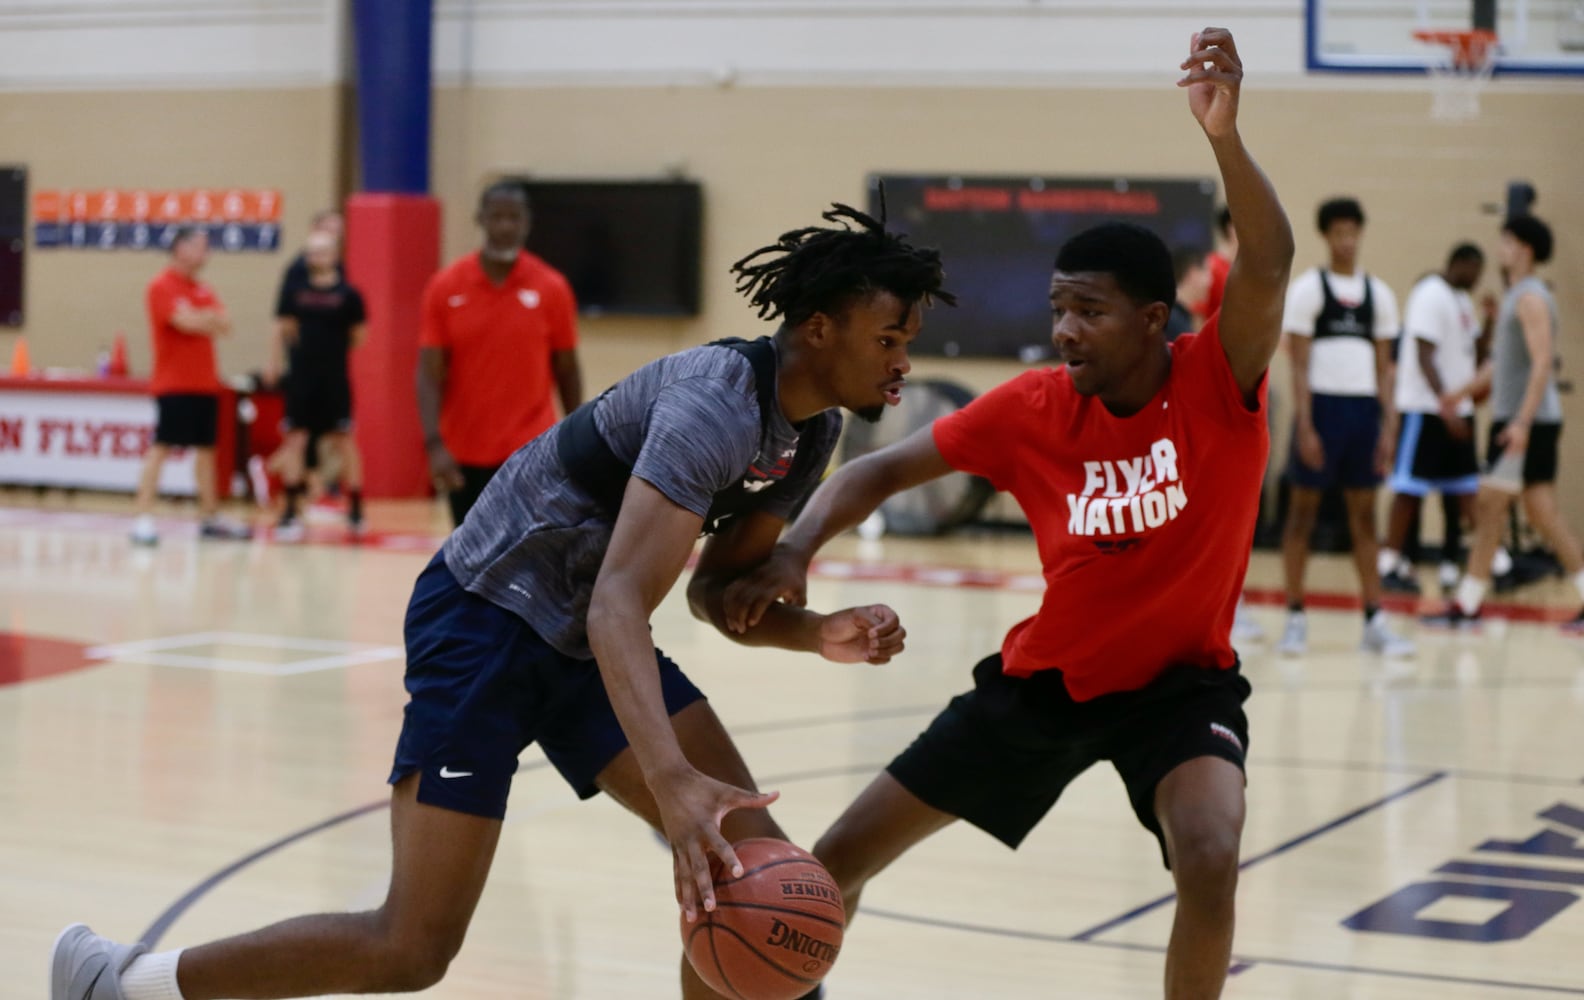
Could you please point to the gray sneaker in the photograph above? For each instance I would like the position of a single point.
(1379, 638)
(85, 966)
(1295, 637)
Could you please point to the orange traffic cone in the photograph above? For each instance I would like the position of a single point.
(19, 358)
(118, 357)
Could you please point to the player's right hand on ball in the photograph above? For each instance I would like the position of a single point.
(781, 578)
(692, 805)
(443, 470)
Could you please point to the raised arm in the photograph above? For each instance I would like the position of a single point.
(1250, 326)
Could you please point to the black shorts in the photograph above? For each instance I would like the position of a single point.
(1430, 458)
(1540, 460)
(187, 419)
(319, 405)
(1349, 429)
(1000, 755)
(484, 685)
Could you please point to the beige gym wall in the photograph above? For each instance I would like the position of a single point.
(769, 160)
(76, 300)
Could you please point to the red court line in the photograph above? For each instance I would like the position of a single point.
(916, 574)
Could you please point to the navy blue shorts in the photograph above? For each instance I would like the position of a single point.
(484, 685)
(1349, 429)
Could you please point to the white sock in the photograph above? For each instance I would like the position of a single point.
(152, 977)
(1386, 562)
(1578, 582)
(1470, 592)
(1501, 562)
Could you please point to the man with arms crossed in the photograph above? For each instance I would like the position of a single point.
(1139, 465)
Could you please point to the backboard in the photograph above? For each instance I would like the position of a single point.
(1537, 37)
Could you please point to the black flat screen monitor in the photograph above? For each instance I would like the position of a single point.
(998, 238)
(627, 247)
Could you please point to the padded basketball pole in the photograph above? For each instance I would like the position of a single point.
(1484, 15)
(393, 237)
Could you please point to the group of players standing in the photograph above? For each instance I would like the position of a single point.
(1377, 398)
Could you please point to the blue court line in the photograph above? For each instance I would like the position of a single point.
(1241, 964)
(173, 913)
(1512, 873)
(1282, 848)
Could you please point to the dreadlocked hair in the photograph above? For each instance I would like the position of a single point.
(823, 269)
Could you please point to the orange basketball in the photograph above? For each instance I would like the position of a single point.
(775, 932)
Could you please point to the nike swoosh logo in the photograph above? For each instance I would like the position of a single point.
(89, 991)
(446, 772)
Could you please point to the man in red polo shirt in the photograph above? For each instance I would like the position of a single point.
(185, 317)
(499, 327)
(1139, 465)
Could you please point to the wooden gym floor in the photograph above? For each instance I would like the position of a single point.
(194, 741)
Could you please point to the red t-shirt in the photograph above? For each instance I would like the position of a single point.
(1220, 267)
(498, 342)
(1143, 522)
(183, 362)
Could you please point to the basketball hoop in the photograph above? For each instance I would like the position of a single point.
(1457, 80)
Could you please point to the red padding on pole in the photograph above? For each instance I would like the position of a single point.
(393, 246)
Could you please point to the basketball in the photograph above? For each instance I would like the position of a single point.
(775, 932)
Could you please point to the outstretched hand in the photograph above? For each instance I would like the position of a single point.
(870, 634)
(1214, 77)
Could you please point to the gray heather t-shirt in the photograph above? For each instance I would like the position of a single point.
(1512, 361)
(688, 424)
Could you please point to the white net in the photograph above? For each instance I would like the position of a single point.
(1462, 73)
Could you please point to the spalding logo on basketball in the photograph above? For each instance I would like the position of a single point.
(775, 932)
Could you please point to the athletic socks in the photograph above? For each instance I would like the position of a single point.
(1370, 611)
(1470, 594)
(152, 977)
(1387, 562)
(294, 493)
(355, 504)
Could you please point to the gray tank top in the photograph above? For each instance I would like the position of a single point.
(1513, 363)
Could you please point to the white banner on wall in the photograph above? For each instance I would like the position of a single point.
(91, 440)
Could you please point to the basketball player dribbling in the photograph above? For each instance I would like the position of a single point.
(532, 624)
(1139, 465)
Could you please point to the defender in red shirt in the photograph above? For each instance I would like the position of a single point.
(1139, 466)
(499, 328)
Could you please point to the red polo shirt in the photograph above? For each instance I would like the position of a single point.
(183, 362)
(498, 341)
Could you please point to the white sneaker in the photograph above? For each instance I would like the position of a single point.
(1244, 626)
(1379, 638)
(290, 529)
(85, 966)
(1448, 575)
(1501, 562)
(1295, 636)
(144, 531)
